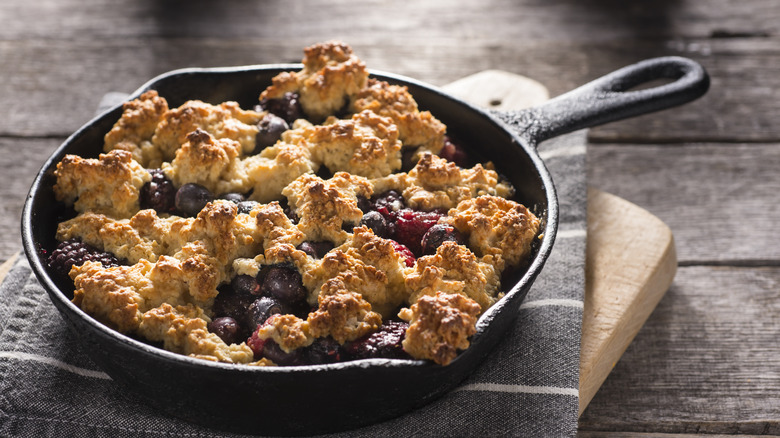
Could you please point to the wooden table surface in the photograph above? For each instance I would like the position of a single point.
(708, 358)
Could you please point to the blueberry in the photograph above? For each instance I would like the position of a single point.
(288, 107)
(191, 198)
(378, 224)
(262, 309)
(158, 194)
(316, 250)
(245, 284)
(235, 198)
(246, 206)
(283, 283)
(226, 328)
(270, 129)
(438, 234)
(273, 352)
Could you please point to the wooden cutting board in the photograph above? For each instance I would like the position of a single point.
(631, 259)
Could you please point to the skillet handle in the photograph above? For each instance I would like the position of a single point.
(608, 98)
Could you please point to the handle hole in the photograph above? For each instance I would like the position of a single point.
(651, 84)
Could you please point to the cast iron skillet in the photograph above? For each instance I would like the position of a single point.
(322, 398)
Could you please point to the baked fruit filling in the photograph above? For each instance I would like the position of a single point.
(333, 221)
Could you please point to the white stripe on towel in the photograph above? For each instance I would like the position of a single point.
(566, 234)
(553, 302)
(570, 151)
(527, 389)
(55, 363)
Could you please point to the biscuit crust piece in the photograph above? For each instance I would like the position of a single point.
(332, 74)
(498, 228)
(109, 184)
(439, 326)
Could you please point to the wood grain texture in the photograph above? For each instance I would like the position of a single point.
(720, 200)
(713, 345)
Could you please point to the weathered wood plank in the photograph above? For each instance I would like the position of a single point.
(20, 160)
(743, 104)
(705, 361)
(458, 19)
(719, 200)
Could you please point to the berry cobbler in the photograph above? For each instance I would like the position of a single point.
(333, 221)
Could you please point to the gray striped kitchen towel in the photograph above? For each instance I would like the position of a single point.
(528, 386)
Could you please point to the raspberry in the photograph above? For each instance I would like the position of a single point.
(411, 226)
(256, 344)
(386, 342)
(404, 252)
(158, 194)
(75, 252)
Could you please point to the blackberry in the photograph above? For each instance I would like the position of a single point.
(288, 107)
(388, 202)
(386, 342)
(75, 252)
(158, 194)
(323, 350)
